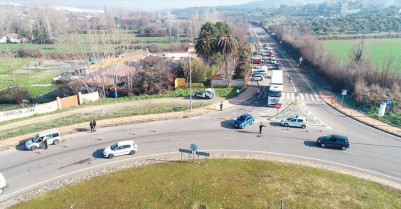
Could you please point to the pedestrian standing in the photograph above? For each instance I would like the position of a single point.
(91, 125)
(261, 127)
(45, 141)
(289, 79)
(94, 125)
(221, 106)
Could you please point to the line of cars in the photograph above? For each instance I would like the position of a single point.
(128, 147)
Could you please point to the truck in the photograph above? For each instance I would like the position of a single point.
(276, 88)
(208, 94)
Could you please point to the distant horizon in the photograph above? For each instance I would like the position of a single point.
(147, 5)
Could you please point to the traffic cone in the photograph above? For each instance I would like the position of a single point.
(288, 128)
(40, 152)
(101, 138)
(154, 130)
(66, 145)
(134, 133)
(321, 130)
(307, 130)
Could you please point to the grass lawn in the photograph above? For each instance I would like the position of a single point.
(379, 50)
(222, 183)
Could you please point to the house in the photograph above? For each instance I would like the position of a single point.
(176, 54)
(191, 50)
(10, 38)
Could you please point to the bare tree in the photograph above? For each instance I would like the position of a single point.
(359, 51)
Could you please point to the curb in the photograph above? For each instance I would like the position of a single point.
(361, 121)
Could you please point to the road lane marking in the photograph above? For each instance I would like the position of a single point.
(84, 169)
(302, 96)
(352, 153)
(286, 142)
(309, 158)
(311, 97)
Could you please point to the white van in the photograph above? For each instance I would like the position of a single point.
(52, 136)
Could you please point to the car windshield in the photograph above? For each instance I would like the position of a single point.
(242, 118)
(328, 137)
(114, 146)
(275, 93)
(35, 138)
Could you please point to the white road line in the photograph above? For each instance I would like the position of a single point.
(289, 95)
(286, 142)
(352, 153)
(307, 97)
(63, 159)
(84, 169)
(293, 96)
(309, 158)
(302, 96)
(311, 97)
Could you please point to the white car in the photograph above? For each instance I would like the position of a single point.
(258, 77)
(121, 148)
(3, 183)
(295, 122)
(52, 136)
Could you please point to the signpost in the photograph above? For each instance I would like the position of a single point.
(203, 154)
(278, 106)
(185, 151)
(343, 93)
(193, 147)
(301, 60)
(389, 103)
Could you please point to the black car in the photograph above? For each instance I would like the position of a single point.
(337, 141)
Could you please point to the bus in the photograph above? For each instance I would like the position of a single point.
(276, 88)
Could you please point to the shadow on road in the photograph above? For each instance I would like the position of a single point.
(227, 124)
(311, 144)
(248, 132)
(82, 130)
(21, 147)
(275, 124)
(98, 153)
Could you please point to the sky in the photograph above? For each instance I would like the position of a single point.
(149, 5)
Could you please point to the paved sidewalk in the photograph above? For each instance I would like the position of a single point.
(248, 94)
(346, 110)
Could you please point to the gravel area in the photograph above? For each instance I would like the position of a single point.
(176, 157)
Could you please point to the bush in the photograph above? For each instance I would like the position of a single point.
(24, 52)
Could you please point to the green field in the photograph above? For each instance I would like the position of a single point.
(379, 50)
(223, 183)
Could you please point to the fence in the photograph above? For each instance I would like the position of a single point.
(234, 83)
(58, 104)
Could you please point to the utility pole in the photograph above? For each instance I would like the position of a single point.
(190, 82)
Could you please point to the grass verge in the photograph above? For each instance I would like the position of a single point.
(223, 183)
(86, 117)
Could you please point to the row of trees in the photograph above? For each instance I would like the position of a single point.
(368, 84)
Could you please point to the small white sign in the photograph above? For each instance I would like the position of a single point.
(344, 92)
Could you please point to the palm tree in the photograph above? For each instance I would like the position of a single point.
(228, 47)
(204, 45)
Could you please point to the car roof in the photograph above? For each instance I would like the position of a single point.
(339, 136)
(246, 115)
(127, 142)
(49, 131)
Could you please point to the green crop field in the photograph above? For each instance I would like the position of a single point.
(379, 50)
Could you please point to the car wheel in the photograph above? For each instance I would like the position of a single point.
(286, 124)
(132, 152)
(110, 156)
(303, 126)
(33, 148)
(323, 145)
(343, 148)
(55, 142)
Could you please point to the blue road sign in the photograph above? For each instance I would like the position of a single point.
(193, 147)
(296, 93)
(203, 153)
(344, 92)
(185, 151)
(389, 103)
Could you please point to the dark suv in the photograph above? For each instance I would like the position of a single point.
(337, 141)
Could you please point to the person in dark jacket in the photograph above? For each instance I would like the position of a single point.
(261, 127)
(221, 106)
(91, 125)
(94, 125)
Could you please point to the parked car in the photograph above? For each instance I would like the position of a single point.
(337, 141)
(52, 136)
(243, 120)
(273, 60)
(121, 148)
(208, 93)
(296, 121)
(3, 183)
(258, 77)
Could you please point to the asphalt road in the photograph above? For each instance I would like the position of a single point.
(372, 151)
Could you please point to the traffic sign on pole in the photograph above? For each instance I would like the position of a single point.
(389, 103)
(343, 93)
(278, 105)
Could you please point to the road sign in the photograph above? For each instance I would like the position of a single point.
(298, 101)
(185, 151)
(193, 147)
(278, 105)
(344, 92)
(203, 153)
(333, 101)
(301, 59)
(296, 93)
(389, 103)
